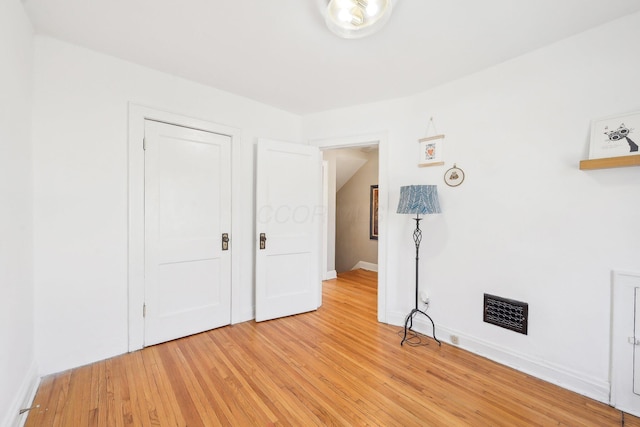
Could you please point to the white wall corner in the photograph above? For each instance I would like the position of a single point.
(365, 266)
(23, 399)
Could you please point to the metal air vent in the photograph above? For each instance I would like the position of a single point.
(506, 313)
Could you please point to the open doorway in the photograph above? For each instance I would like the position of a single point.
(379, 139)
(352, 203)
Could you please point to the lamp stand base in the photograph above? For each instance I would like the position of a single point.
(408, 324)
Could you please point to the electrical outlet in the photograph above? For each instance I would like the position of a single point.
(424, 297)
(454, 339)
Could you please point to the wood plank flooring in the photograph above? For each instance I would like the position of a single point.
(336, 366)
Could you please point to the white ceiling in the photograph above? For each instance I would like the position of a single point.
(279, 52)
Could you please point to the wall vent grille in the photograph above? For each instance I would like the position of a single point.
(506, 313)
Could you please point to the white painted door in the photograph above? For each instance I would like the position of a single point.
(625, 343)
(289, 218)
(187, 210)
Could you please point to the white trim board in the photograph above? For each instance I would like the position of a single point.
(365, 266)
(554, 374)
(326, 275)
(137, 115)
(23, 399)
(330, 275)
(624, 290)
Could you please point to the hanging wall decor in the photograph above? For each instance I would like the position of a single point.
(373, 212)
(431, 148)
(454, 176)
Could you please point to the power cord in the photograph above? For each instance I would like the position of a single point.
(414, 339)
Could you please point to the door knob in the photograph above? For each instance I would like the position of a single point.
(263, 241)
(225, 241)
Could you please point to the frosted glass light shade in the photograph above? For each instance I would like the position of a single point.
(353, 19)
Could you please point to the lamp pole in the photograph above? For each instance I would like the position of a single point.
(417, 238)
(408, 323)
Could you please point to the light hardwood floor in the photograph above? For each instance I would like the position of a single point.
(336, 366)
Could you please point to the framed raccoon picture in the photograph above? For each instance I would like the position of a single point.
(615, 136)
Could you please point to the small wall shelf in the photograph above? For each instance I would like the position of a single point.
(610, 162)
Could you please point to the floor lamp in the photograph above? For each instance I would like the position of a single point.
(418, 199)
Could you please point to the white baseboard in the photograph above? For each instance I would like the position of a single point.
(330, 275)
(558, 375)
(23, 399)
(245, 316)
(365, 266)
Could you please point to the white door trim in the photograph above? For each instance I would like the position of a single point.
(624, 285)
(135, 256)
(380, 138)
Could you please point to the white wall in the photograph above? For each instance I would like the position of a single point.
(526, 224)
(17, 369)
(80, 163)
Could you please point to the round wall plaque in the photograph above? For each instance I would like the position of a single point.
(454, 176)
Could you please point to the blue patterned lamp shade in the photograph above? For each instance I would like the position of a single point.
(419, 199)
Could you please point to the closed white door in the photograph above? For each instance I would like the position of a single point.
(289, 218)
(187, 214)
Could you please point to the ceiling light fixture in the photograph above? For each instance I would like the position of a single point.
(352, 19)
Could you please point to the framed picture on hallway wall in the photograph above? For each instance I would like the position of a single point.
(373, 212)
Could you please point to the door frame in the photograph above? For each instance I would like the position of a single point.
(623, 319)
(135, 248)
(380, 139)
